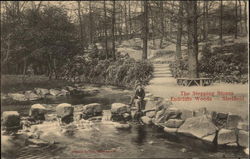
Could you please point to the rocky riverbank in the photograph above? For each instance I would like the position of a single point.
(214, 127)
(42, 93)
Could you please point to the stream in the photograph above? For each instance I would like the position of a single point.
(104, 141)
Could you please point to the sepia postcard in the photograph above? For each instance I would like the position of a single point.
(124, 79)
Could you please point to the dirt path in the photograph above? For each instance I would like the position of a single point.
(164, 85)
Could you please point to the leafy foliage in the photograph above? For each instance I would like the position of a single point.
(125, 71)
(43, 39)
(227, 64)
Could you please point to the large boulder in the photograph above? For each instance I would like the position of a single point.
(91, 91)
(162, 103)
(150, 114)
(146, 120)
(89, 110)
(173, 113)
(37, 112)
(233, 120)
(127, 116)
(65, 111)
(93, 109)
(150, 104)
(78, 116)
(77, 92)
(63, 92)
(170, 130)
(157, 99)
(30, 95)
(174, 123)
(136, 115)
(148, 95)
(201, 111)
(243, 126)
(117, 117)
(95, 118)
(210, 138)
(166, 114)
(200, 127)
(160, 116)
(69, 88)
(11, 120)
(54, 92)
(246, 150)
(226, 136)
(83, 91)
(38, 142)
(219, 119)
(17, 96)
(41, 91)
(51, 117)
(185, 113)
(119, 108)
(243, 138)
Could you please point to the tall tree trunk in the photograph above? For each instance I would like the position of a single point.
(165, 22)
(18, 9)
(171, 21)
(105, 29)
(151, 36)
(126, 18)
(179, 31)
(245, 15)
(162, 24)
(129, 17)
(221, 25)
(240, 17)
(113, 31)
(49, 71)
(191, 8)
(120, 27)
(54, 68)
(236, 20)
(145, 30)
(90, 23)
(205, 21)
(152, 28)
(80, 23)
(5, 60)
(24, 66)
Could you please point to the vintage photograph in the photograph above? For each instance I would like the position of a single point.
(124, 79)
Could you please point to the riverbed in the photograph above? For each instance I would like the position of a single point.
(105, 141)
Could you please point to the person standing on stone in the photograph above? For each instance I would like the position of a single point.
(137, 99)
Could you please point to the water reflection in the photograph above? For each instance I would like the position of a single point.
(141, 135)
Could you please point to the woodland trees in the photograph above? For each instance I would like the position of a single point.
(46, 35)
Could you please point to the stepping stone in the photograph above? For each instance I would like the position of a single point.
(160, 76)
(160, 73)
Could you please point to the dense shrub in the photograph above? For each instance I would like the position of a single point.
(125, 71)
(162, 53)
(179, 69)
(228, 64)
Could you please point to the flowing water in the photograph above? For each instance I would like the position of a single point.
(102, 139)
